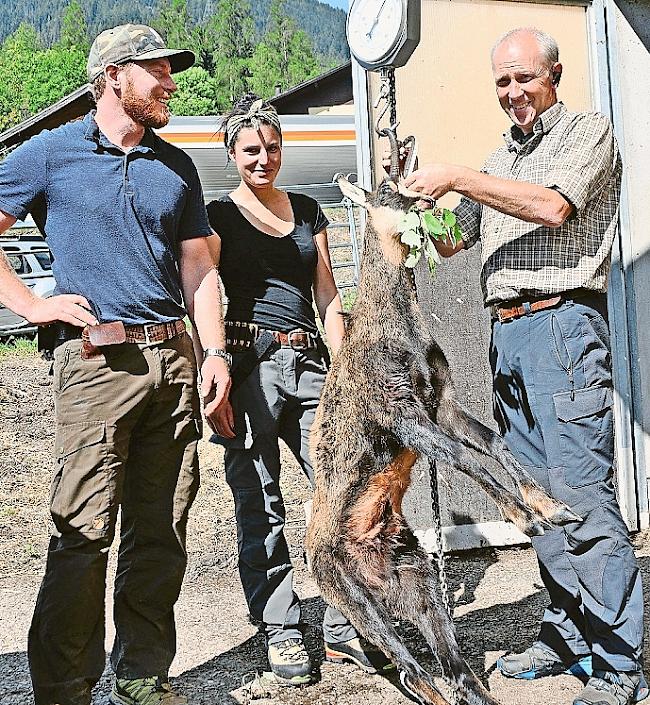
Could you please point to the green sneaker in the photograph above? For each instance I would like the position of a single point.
(289, 662)
(144, 691)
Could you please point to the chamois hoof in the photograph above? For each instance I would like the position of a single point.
(564, 516)
(536, 527)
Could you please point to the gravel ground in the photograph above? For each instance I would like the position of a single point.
(498, 594)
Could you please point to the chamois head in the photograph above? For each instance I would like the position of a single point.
(388, 194)
(386, 208)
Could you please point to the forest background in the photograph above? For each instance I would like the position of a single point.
(262, 46)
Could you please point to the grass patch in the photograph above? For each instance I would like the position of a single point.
(20, 347)
(349, 297)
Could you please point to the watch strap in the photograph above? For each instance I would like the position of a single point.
(218, 352)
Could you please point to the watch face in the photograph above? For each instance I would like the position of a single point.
(374, 27)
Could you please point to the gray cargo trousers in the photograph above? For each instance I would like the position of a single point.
(553, 402)
(277, 400)
(126, 436)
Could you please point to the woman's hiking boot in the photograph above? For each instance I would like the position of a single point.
(289, 662)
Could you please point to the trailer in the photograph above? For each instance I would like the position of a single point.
(315, 148)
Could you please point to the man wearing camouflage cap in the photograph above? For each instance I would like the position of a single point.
(124, 216)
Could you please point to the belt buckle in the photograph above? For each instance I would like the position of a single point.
(298, 346)
(145, 329)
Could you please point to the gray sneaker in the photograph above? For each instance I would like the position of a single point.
(609, 688)
(540, 660)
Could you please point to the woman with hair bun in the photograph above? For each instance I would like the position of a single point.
(271, 250)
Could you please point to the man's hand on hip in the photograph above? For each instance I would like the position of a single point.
(68, 308)
(215, 386)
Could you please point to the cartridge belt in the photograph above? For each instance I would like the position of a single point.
(241, 335)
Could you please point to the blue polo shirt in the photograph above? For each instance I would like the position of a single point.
(113, 219)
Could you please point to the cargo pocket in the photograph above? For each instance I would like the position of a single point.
(80, 496)
(586, 434)
(188, 477)
(62, 370)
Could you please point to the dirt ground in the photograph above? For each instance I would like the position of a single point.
(498, 595)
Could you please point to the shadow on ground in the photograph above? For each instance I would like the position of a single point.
(502, 626)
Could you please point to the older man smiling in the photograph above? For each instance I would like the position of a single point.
(545, 208)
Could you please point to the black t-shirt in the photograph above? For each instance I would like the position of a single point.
(268, 279)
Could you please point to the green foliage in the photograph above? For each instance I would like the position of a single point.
(32, 76)
(232, 57)
(420, 228)
(17, 58)
(284, 57)
(74, 30)
(197, 94)
(175, 24)
(324, 24)
(234, 33)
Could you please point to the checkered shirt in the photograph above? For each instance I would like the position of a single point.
(576, 154)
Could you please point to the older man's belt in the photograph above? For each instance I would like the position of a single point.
(241, 336)
(517, 308)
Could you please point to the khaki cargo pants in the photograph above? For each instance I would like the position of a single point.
(126, 436)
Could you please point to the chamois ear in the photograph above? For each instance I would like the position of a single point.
(355, 193)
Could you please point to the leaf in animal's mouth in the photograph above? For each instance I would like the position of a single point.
(418, 229)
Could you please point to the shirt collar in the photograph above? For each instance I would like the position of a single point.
(94, 134)
(542, 126)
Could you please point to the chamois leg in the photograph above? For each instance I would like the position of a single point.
(415, 598)
(347, 592)
(426, 438)
(461, 425)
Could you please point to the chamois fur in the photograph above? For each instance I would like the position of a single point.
(389, 399)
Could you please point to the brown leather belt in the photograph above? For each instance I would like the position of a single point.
(241, 335)
(508, 311)
(149, 333)
(154, 332)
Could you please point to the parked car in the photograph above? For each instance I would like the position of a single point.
(30, 257)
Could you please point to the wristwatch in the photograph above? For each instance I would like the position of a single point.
(218, 352)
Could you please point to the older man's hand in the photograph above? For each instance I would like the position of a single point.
(433, 179)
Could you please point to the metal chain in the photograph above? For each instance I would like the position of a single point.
(387, 94)
(440, 561)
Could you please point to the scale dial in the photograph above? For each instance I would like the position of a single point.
(383, 33)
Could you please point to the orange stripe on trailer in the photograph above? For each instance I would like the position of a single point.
(289, 136)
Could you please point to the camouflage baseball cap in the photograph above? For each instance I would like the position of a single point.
(133, 42)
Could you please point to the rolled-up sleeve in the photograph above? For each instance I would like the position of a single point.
(585, 164)
(468, 218)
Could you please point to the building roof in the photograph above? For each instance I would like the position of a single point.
(72, 106)
(334, 87)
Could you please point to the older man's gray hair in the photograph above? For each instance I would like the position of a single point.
(547, 44)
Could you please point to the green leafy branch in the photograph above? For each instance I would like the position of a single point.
(420, 228)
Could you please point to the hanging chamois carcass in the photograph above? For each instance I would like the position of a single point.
(388, 400)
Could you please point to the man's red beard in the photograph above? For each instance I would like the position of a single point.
(148, 112)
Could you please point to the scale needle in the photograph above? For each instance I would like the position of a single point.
(375, 21)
